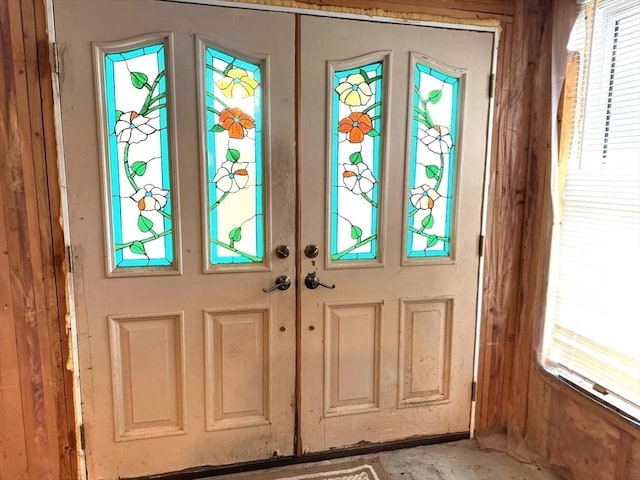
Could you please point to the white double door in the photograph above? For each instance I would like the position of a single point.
(195, 145)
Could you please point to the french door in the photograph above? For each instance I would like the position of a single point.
(393, 136)
(179, 130)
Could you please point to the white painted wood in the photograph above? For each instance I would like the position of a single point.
(441, 402)
(227, 387)
(162, 342)
(148, 375)
(352, 355)
(425, 351)
(237, 369)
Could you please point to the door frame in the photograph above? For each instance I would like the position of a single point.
(492, 26)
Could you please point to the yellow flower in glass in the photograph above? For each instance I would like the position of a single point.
(354, 91)
(237, 84)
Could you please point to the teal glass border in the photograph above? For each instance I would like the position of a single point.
(453, 129)
(210, 54)
(110, 60)
(373, 70)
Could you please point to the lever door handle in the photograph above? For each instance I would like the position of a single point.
(282, 283)
(312, 281)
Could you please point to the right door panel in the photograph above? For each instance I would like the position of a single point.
(393, 140)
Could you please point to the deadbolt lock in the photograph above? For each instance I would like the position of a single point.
(311, 251)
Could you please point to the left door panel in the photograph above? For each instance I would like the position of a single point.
(178, 130)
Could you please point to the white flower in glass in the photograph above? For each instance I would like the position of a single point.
(150, 198)
(358, 178)
(132, 127)
(424, 197)
(438, 139)
(231, 177)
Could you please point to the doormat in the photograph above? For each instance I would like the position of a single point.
(357, 470)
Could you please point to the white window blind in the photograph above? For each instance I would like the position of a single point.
(593, 329)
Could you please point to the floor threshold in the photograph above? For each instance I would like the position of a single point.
(360, 449)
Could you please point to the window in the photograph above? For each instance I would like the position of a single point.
(592, 336)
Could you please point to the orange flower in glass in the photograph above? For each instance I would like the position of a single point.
(356, 126)
(236, 122)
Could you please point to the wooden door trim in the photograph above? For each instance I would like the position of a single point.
(375, 11)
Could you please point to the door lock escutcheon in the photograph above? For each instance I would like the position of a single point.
(311, 251)
(282, 251)
(312, 281)
(282, 283)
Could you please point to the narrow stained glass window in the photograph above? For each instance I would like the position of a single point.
(234, 159)
(432, 162)
(356, 126)
(138, 159)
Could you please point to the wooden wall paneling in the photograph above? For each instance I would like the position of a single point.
(503, 244)
(501, 10)
(533, 15)
(630, 458)
(23, 256)
(12, 436)
(497, 304)
(581, 439)
(547, 420)
(591, 452)
(51, 213)
(30, 287)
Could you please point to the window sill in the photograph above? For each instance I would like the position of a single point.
(622, 413)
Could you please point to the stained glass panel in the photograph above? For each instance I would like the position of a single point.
(233, 100)
(139, 170)
(356, 129)
(432, 162)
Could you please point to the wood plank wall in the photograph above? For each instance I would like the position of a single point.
(35, 401)
(547, 421)
(544, 418)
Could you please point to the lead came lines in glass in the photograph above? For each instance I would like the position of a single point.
(138, 157)
(432, 163)
(355, 162)
(234, 159)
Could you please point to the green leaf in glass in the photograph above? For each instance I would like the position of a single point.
(139, 168)
(356, 232)
(427, 222)
(138, 247)
(139, 79)
(233, 155)
(432, 240)
(118, 114)
(364, 74)
(144, 224)
(217, 128)
(373, 133)
(235, 235)
(433, 171)
(355, 158)
(435, 96)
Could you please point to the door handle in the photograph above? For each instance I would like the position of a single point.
(312, 281)
(282, 283)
